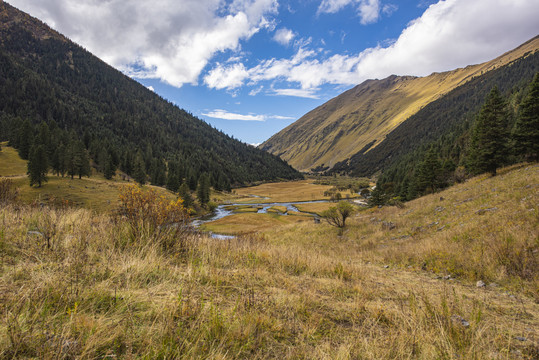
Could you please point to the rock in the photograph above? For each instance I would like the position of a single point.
(35, 233)
(317, 220)
(447, 277)
(439, 208)
(480, 284)
(442, 198)
(492, 284)
(482, 211)
(440, 228)
(520, 338)
(388, 225)
(459, 320)
(386, 266)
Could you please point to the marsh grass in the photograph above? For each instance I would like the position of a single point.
(297, 291)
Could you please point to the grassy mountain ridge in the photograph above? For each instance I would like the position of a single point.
(361, 118)
(445, 119)
(44, 77)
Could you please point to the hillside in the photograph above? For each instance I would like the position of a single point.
(45, 78)
(453, 275)
(359, 120)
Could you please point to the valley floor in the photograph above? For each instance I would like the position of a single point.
(399, 283)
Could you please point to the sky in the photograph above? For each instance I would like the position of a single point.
(252, 67)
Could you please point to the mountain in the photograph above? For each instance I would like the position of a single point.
(46, 78)
(358, 121)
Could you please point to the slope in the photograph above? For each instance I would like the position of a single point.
(44, 77)
(445, 120)
(360, 118)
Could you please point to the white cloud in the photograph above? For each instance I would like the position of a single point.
(229, 77)
(303, 93)
(449, 34)
(150, 88)
(389, 9)
(172, 40)
(368, 10)
(225, 115)
(284, 36)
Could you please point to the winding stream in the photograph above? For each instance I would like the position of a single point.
(225, 210)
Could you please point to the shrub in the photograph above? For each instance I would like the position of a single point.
(145, 210)
(337, 215)
(8, 192)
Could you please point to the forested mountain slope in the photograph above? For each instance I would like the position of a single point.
(358, 120)
(44, 77)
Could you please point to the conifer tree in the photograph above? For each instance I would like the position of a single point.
(489, 147)
(110, 169)
(139, 174)
(203, 189)
(526, 131)
(37, 165)
(429, 172)
(185, 194)
(25, 139)
(82, 161)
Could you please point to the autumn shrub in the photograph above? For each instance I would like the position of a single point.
(8, 192)
(148, 213)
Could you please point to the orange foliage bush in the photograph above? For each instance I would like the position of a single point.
(145, 208)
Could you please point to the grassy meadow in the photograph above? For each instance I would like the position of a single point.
(94, 193)
(398, 284)
(290, 191)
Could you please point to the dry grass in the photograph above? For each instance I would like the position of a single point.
(297, 292)
(315, 208)
(10, 162)
(303, 190)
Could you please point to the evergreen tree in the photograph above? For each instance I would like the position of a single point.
(428, 173)
(139, 173)
(82, 160)
(526, 131)
(173, 183)
(25, 139)
(203, 189)
(110, 169)
(489, 147)
(185, 194)
(37, 165)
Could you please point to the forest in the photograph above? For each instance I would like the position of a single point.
(51, 85)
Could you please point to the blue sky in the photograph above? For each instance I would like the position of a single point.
(252, 67)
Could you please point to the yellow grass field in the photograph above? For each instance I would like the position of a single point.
(10, 162)
(76, 284)
(289, 191)
(316, 208)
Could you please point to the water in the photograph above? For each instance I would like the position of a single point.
(225, 210)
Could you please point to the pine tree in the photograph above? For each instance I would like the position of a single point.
(203, 189)
(428, 172)
(185, 194)
(37, 165)
(82, 161)
(489, 148)
(110, 169)
(526, 131)
(139, 174)
(25, 139)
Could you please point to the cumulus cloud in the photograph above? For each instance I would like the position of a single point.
(368, 10)
(229, 77)
(449, 34)
(284, 36)
(172, 40)
(225, 115)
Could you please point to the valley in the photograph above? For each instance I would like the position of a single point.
(398, 220)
